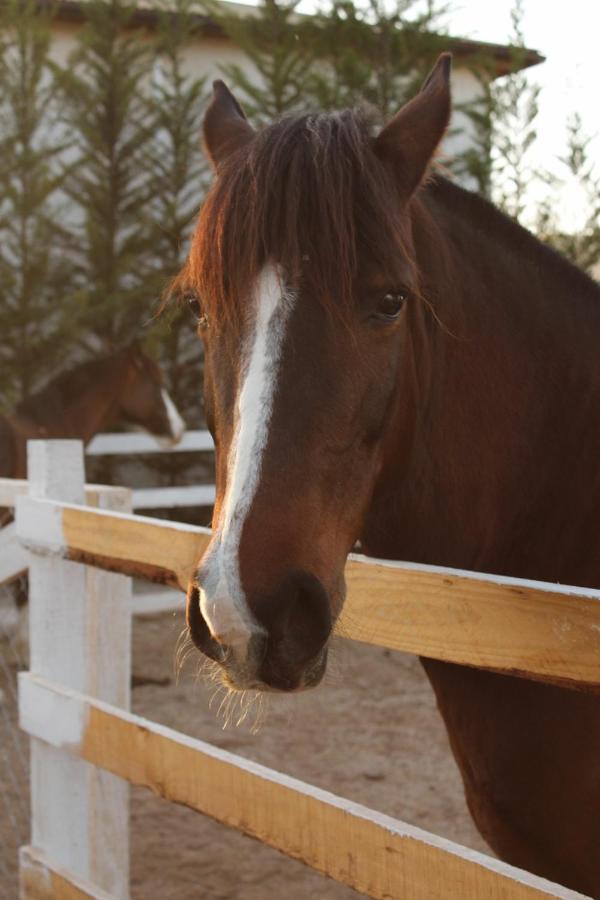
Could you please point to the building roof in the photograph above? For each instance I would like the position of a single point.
(469, 52)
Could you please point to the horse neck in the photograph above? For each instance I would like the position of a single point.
(522, 324)
(92, 405)
(495, 469)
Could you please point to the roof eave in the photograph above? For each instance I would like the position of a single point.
(501, 56)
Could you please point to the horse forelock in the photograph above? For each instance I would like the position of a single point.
(308, 194)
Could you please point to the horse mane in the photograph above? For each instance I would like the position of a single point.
(309, 193)
(62, 391)
(513, 237)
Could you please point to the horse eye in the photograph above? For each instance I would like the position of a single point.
(196, 309)
(390, 305)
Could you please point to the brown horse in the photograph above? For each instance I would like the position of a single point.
(389, 359)
(124, 387)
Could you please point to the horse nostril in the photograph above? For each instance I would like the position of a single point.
(297, 618)
(198, 628)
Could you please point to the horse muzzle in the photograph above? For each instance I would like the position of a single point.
(280, 644)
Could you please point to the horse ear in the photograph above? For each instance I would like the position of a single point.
(410, 139)
(226, 128)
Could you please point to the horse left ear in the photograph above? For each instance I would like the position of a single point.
(410, 139)
(226, 128)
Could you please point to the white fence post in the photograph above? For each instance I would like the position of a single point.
(80, 637)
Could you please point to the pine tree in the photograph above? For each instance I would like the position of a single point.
(109, 182)
(343, 55)
(473, 166)
(515, 104)
(34, 270)
(376, 52)
(503, 121)
(281, 47)
(179, 180)
(581, 246)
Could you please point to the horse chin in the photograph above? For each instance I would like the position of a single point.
(281, 679)
(272, 680)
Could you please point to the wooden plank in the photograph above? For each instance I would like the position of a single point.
(14, 558)
(163, 552)
(136, 442)
(542, 631)
(539, 630)
(39, 879)
(170, 497)
(371, 852)
(79, 636)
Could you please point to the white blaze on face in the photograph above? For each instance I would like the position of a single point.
(176, 423)
(222, 600)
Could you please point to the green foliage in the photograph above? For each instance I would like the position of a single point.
(503, 127)
(34, 274)
(473, 166)
(343, 55)
(581, 246)
(515, 109)
(179, 180)
(108, 180)
(376, 52)
(282, 49)
(101, 171)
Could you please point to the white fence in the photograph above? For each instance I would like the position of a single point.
(145, 598)
(86, 746)
(131, 443)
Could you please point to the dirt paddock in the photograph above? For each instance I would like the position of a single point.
(370, 733)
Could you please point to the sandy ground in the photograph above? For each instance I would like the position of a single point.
(370, 733)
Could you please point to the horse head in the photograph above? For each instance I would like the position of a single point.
(309, 304)
(143, 399)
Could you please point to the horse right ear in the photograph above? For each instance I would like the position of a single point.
(226, 128)
(410, 139)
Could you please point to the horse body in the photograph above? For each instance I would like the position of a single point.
(512, 400)
(502, 476)
(123, 387)
(389, 359)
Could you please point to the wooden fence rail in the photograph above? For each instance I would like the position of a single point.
(545, 632)
(86, 747)
(14, 558)
(371, 852)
